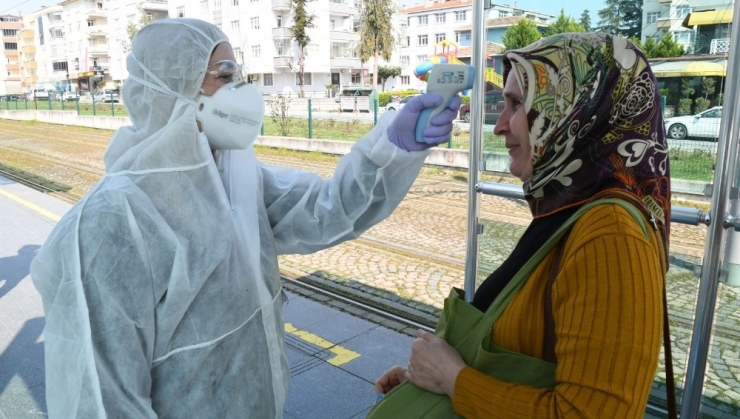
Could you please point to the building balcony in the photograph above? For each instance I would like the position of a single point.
(28, 49)
(98, 51)
(344, 62)
(97, 31)
(92, 12)
(343, 36)
(342, 8)
(281, 5)
(719, 46)
(159, 5)
(281, 61)
(664, 23)
(282, 32)
(30, 64)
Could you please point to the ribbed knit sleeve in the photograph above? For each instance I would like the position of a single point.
(607, 310)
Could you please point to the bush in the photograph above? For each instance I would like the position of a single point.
(385, 97)
(701, 105)
(684, 107)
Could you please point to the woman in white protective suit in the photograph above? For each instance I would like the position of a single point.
(161, 286)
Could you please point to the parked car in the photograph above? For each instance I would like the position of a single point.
(40, 94)
(397, 106)
(107, 96)
(493, 105)
(702, 125)
(70, 96)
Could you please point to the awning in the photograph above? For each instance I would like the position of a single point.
(711, 17)
(690, 69)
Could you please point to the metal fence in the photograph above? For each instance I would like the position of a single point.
(692, 140)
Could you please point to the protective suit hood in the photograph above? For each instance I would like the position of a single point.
(163, 53)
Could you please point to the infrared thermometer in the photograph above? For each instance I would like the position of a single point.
(446, 80)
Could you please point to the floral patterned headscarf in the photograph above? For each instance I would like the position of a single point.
(596, 126)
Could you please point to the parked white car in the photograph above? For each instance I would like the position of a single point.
(107, 96)
(70, 96)
(397, 106)
(702, 125)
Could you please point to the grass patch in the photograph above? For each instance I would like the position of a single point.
(692, 165)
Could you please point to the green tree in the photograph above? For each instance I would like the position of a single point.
(386, 72)
(564, 24)
(520, 35)
(133, 27)
(586, 20)
(302, 21)
(376, 33)
(621, 17)
(707, 86)
(664, 48)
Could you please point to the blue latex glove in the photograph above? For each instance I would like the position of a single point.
(401, 130)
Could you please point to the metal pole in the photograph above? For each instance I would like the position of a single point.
(714, 248)
(478, 60)
(310, 120)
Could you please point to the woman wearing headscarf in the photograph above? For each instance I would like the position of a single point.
(161, 287)
(582, 121)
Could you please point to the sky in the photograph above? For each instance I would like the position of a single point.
(573, 8)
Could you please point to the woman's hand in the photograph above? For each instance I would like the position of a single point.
(390, 379)
(434, 364)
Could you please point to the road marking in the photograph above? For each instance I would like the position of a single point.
(341, 355)
(30, 205)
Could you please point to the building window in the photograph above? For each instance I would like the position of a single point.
(10, 32)
(181, 11)
(682, 11)
(130, 19)
(652, 17)
(256, 51)
(254, 22)
(234, 2)
(282, 46)
(405, 61)
(238, 55)
(59, 66)
(267, 79)
(420, 59)
(408, 41)
(404, 80)
(235, 25)
(683, 37)
(279, 21)
(204, 6)
(423, 40)
(461, 16)
(503, 13)
(306, 79)
(57, 33)
(408, 21)
(356, 78)
(11, 46)
(217, 4)
(457, 37)
(439, 37)
(440, 17)
(423, 20)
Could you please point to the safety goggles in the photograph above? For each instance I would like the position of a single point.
(226, 71)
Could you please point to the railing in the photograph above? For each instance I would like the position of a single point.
(719, 46)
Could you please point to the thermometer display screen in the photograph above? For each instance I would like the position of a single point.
(451, 77)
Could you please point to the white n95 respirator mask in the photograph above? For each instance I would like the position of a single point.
(232, 117)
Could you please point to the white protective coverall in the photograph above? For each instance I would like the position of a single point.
(161, 287)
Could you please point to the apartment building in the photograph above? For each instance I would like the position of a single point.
(701, 26)
(50, 48)
(10, 75)
(85, 36)
(120, 16)
(432, 22)
(27, 58)
(259, 31)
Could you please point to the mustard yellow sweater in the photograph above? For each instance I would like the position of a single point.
(607, 308)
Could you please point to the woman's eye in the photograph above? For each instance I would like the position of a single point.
(225, 77)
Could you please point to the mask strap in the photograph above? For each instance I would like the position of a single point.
(160, 86)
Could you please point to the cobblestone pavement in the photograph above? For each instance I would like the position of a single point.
(409, 262)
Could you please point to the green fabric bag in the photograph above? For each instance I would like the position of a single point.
(468, 330)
